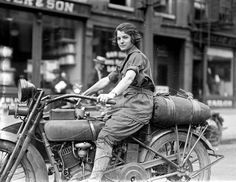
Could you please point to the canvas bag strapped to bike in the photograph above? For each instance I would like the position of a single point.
(171, 110)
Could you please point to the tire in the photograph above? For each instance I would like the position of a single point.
(26, 171)
(166, 145)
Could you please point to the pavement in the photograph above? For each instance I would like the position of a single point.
(224, 170)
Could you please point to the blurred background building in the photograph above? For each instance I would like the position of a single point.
(191, 43)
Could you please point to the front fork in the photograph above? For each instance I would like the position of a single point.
(24, 139)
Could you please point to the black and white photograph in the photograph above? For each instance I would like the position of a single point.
(117, 90)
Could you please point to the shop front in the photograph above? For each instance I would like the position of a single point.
(219, 77)
(171, 56)
(38, 39)
(215, 70)
(105, 55)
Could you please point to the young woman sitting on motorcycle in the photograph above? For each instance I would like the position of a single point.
(133, 95)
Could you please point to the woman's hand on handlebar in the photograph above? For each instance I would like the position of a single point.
(104, 98)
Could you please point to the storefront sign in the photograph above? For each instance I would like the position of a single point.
(215, 39)
(220, 103)
(68, 7)
(113, 58)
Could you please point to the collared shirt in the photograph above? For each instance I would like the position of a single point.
(136, 102)
(139, 63)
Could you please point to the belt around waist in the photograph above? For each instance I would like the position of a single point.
(138, 90)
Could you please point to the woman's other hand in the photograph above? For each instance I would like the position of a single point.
(103, 98)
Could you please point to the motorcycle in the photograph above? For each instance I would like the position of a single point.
(61, 142)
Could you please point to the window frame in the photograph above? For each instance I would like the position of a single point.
(128, 7)
(170, 14)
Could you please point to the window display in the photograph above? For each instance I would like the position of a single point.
(6, 71)
(16, 44)
(106, 56)
(219, 73)
(59, 44)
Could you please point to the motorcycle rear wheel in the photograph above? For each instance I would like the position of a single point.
(26, 171)
(167, 146)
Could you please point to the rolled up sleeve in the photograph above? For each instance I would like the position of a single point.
(136, 63)
(113, 76)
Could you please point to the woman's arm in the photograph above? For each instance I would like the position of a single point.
(121, 87)
(100, 84)
(124, 83)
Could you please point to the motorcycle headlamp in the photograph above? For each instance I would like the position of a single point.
(25, 90)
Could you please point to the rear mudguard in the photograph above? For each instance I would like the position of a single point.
(160, 133)
(33, 155)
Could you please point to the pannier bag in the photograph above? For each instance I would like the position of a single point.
(171, 110)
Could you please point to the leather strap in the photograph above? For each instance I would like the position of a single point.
(92, 129)
(170, 107)
(133, 89)
(196, 110)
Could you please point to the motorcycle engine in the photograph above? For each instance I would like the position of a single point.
(76, 159)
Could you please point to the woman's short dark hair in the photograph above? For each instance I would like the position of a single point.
(129, 29)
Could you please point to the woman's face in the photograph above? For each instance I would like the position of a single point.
(124, 41)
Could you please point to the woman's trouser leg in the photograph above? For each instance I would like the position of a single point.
(101, 161)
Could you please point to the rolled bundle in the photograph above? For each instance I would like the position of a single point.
(171, 110)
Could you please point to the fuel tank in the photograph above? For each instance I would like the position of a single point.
(72, 130)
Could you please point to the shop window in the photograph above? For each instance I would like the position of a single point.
(105, 57)
(226, 11)
(59, 49)
(15, 45)
(126, 5)
(166, 8)
(220, 75)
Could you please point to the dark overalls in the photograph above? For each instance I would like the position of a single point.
(133, 107)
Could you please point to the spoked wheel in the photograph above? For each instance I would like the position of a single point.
(25, 171)
(188, 163)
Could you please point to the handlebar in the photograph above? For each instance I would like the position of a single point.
(65, 96)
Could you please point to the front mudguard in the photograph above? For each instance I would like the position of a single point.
(13, 128)
(156, 135)
(36, 160)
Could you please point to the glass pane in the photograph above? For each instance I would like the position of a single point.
(16, 37)
(120, 2)
(105, 57)
(165, 6)
(59, 44)
(219, 77)
(200, 9)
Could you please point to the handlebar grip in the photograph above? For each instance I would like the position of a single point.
(112, 102)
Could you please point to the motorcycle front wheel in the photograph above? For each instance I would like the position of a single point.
(168, 146)
(26, 171)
